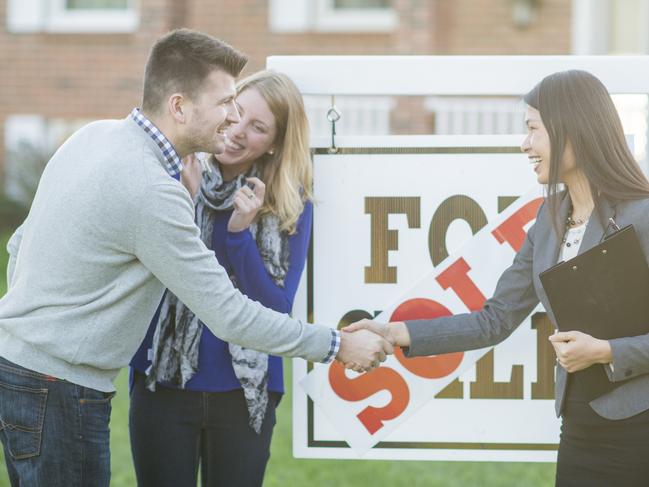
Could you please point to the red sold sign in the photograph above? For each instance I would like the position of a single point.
(454, 277)
(385, 378)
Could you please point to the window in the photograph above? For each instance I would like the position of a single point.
(83, 16)
(96, 4)
(355, 15)
(633, 111)
(332, 16)
(361, 4)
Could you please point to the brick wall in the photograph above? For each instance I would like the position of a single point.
(244, 24)
(100, 76)
(486, 27)
(77, 75)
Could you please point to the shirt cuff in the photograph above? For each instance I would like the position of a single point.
(335, 346)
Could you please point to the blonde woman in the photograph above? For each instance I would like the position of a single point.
(197, 400)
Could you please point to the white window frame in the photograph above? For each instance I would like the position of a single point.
(332, 19)
(299, 16)
(54, 16)
(62, 19)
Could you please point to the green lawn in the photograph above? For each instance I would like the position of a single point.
(286, 471)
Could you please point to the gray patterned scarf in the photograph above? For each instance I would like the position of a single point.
(177, 336)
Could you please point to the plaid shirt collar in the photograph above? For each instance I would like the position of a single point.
(173, 164)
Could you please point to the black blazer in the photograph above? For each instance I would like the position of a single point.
(519, 291)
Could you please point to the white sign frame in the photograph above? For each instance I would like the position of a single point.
(452, 75)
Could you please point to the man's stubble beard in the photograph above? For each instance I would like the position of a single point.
(209, 143)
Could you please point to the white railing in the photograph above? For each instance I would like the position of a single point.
(359, 115)
(472, 115)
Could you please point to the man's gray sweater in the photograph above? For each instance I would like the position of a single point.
(108, 230)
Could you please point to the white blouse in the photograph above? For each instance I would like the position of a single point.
(573, 238)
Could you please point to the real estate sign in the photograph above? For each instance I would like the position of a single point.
(418, 227)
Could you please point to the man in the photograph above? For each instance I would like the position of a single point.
(108, 230)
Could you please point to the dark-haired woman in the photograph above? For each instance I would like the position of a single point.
(575, 140)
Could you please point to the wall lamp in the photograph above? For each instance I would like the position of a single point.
(524, 12)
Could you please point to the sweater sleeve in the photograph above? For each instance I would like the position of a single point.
(13, 246)
(167, 242)
(252, 278)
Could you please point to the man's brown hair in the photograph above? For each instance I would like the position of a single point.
(181, 60)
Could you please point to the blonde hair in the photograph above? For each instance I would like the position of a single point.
(287, 173)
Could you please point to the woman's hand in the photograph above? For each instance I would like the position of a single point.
(576, 350)
(192, 174)
(247, 203)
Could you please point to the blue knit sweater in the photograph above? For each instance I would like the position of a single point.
(238, 254)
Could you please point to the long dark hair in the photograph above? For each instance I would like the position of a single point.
(575, 106)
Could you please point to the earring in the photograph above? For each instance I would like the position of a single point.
(271, 152)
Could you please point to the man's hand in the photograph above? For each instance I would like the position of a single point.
(247, 203)
(396, 333)
(192, 174)
(363, 350)
(577, 351)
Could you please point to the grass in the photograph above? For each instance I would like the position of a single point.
(284, 470)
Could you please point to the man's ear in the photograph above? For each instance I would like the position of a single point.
(177, 105)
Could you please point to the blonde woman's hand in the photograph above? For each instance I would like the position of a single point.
(192, 174)
(247, 203)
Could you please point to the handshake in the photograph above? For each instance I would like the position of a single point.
(364, 345)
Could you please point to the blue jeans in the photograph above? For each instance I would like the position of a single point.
(54, 433)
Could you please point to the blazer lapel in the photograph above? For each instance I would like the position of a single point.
(551, 242)
(597, 224)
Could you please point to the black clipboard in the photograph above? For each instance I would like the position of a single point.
(603, 291)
